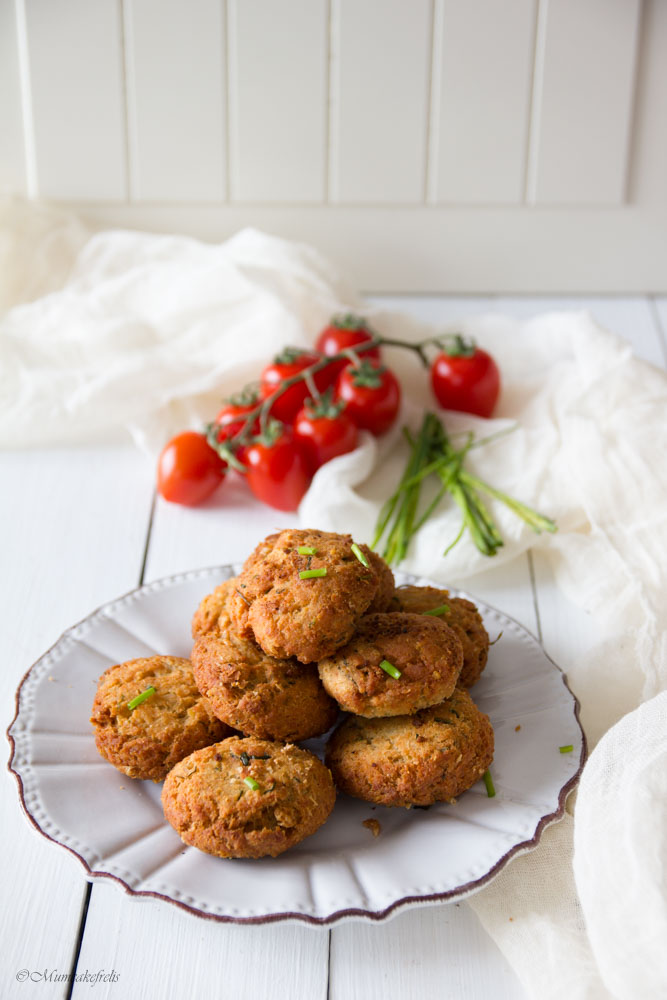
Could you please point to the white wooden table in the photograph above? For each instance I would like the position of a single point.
(80, 526)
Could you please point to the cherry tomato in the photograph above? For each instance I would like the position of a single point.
(284, 366)
(342, 332)
(230, 418)
(323, 430)
(465, 377)
(277, 473)
(188, 469)
(372, 395)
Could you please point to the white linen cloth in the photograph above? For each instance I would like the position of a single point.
(149, 332)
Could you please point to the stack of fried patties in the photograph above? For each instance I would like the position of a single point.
(314, 624)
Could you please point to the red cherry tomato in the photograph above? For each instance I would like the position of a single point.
(188, 469)
(343, 332)
(324, 431)
(277, 473)
(372, 395)
(230, 418)
(466, 378)
(284, 366)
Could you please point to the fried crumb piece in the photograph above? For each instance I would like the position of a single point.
(51, 678)
(511, 918)
(517, 728)
(122, 788)
(373, 825)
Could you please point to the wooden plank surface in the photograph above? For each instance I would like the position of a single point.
(278, 61)
(380, 81)
(482, 76)
(72, 530)
(75, 61)
(176, 71)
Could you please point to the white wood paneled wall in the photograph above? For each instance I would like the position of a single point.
(442, 145)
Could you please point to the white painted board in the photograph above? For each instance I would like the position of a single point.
(76, 79)
(584, 90)
(482, 76)
(278, 63)
(380, 74)
(176, 99)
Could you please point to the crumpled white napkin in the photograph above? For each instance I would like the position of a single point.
(149, 332)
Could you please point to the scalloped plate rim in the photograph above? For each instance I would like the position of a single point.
(339, 916)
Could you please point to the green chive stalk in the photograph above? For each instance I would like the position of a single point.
(432, 454)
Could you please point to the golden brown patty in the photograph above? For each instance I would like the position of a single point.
(207, 801)
(462, 616)
(290, 616)
(425, 651)
(384, 598)
(429, 757)
(258, 694)
(146, 742)
(213, 612)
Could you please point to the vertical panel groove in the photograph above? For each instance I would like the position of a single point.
(224, 48)
(125, 76)
(232, 124)
(31, 176)
(536, 102)
(628, 176)
(327, 98)
(333, 132)
(528, 154)
(429, 147)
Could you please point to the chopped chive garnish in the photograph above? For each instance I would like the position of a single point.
(359, 554)
(308, 574)
(144, 696)
(568, 749)
(390, 669)
(306, 550)
(440, 610)
(251, 783)
(488, 781)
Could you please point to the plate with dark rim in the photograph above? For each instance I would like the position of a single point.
(115, 825)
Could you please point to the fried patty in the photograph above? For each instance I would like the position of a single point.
(259, 694)
(207, 801)
(305, 618)
(461, 615)
(415, 760)
(425, 651)
(146, 742)
(213, 612)
(384, 598)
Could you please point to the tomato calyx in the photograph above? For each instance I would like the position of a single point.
(366, 374)
(289, 355)
(324, 406)
(456, 346)
(349, 321)
(248, 396)
(226, 449)
(269, 434)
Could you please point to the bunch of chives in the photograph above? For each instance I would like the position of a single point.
(433, 454)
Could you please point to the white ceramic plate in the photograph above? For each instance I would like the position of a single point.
(116, 828)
